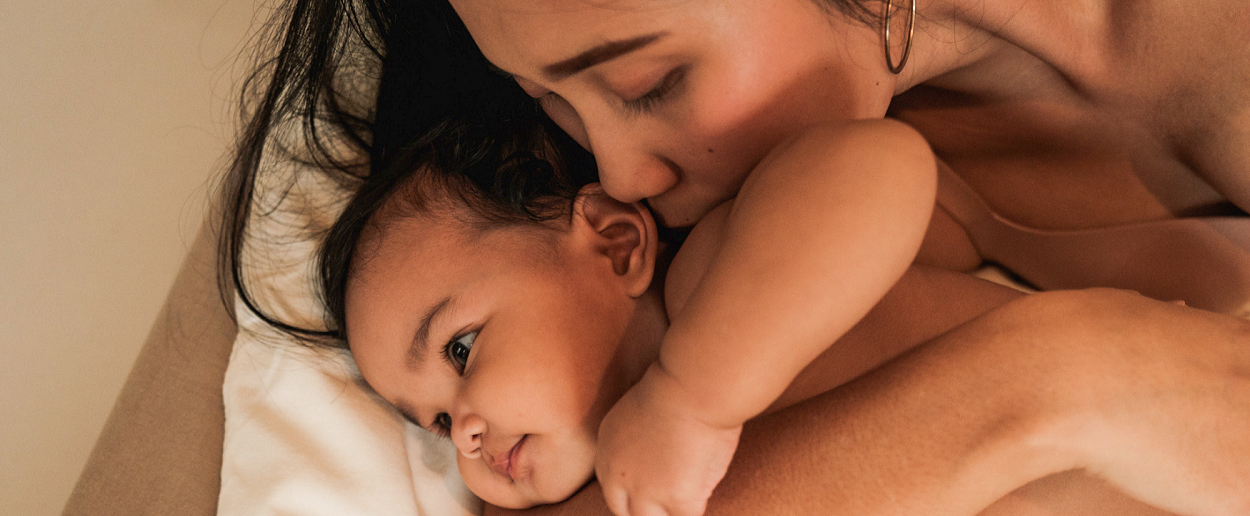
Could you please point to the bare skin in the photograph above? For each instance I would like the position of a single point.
(1134, 114)
(1146, 100)
(808, 472)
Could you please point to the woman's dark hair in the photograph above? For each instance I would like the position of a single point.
(365, 92)
(310, 104)
(438, 106)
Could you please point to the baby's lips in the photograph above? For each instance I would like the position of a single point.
(502, 460)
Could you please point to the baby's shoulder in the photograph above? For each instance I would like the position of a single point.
(695, 256)
(833, 145)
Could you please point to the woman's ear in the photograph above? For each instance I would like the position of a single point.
(624, 233)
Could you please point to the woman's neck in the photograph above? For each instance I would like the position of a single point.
(962, 44)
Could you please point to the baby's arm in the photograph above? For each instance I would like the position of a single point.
(819, 232)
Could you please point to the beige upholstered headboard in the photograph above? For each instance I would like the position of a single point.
(160, 450)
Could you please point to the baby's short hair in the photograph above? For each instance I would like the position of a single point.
(515, 172)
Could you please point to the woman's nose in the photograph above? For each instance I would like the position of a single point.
(466, 434)
(629, 168)
(630, 172)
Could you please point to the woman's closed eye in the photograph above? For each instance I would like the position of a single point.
(661, 92)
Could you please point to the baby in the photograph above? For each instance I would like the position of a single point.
(546, 349)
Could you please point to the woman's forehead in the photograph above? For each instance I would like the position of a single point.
(527, 34)
(548, 7)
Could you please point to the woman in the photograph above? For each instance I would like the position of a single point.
(1051, 123)
(1049, 364)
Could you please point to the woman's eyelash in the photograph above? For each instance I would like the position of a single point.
(500, 72)
(544, 100)
(651, 99)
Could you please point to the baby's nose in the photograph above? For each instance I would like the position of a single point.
(466, 434)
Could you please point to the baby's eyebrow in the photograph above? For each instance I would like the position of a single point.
(421, 341)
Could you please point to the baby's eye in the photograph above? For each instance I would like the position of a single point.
(441, 425)
(457, 351)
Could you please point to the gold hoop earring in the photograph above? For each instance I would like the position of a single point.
(911, 28)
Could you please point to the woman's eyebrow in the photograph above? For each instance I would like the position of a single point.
(420, 341)
(599, 54)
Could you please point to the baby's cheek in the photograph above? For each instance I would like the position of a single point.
(562, 474)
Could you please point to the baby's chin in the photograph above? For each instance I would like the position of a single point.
(552, 485)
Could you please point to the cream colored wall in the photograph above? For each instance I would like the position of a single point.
(113, 116)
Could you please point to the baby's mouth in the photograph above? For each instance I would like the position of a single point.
(505, 464)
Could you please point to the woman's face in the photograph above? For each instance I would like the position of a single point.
(508, 345)
(680, 99)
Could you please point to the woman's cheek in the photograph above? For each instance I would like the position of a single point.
(733, 133)
(729, 111)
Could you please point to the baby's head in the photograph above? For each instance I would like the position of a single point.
(510, 330)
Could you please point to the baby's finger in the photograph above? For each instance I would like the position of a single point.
(688, 508)
(617, 500)
(647, 508)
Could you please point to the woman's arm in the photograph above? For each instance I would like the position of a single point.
(1153, 397)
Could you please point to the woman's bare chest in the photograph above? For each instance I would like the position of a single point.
(1070, 192)
(1055, 157)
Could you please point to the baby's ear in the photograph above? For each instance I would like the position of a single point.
(624, 233)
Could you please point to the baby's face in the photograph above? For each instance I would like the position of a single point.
(512, 343)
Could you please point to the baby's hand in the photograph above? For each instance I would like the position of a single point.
(655, 457)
